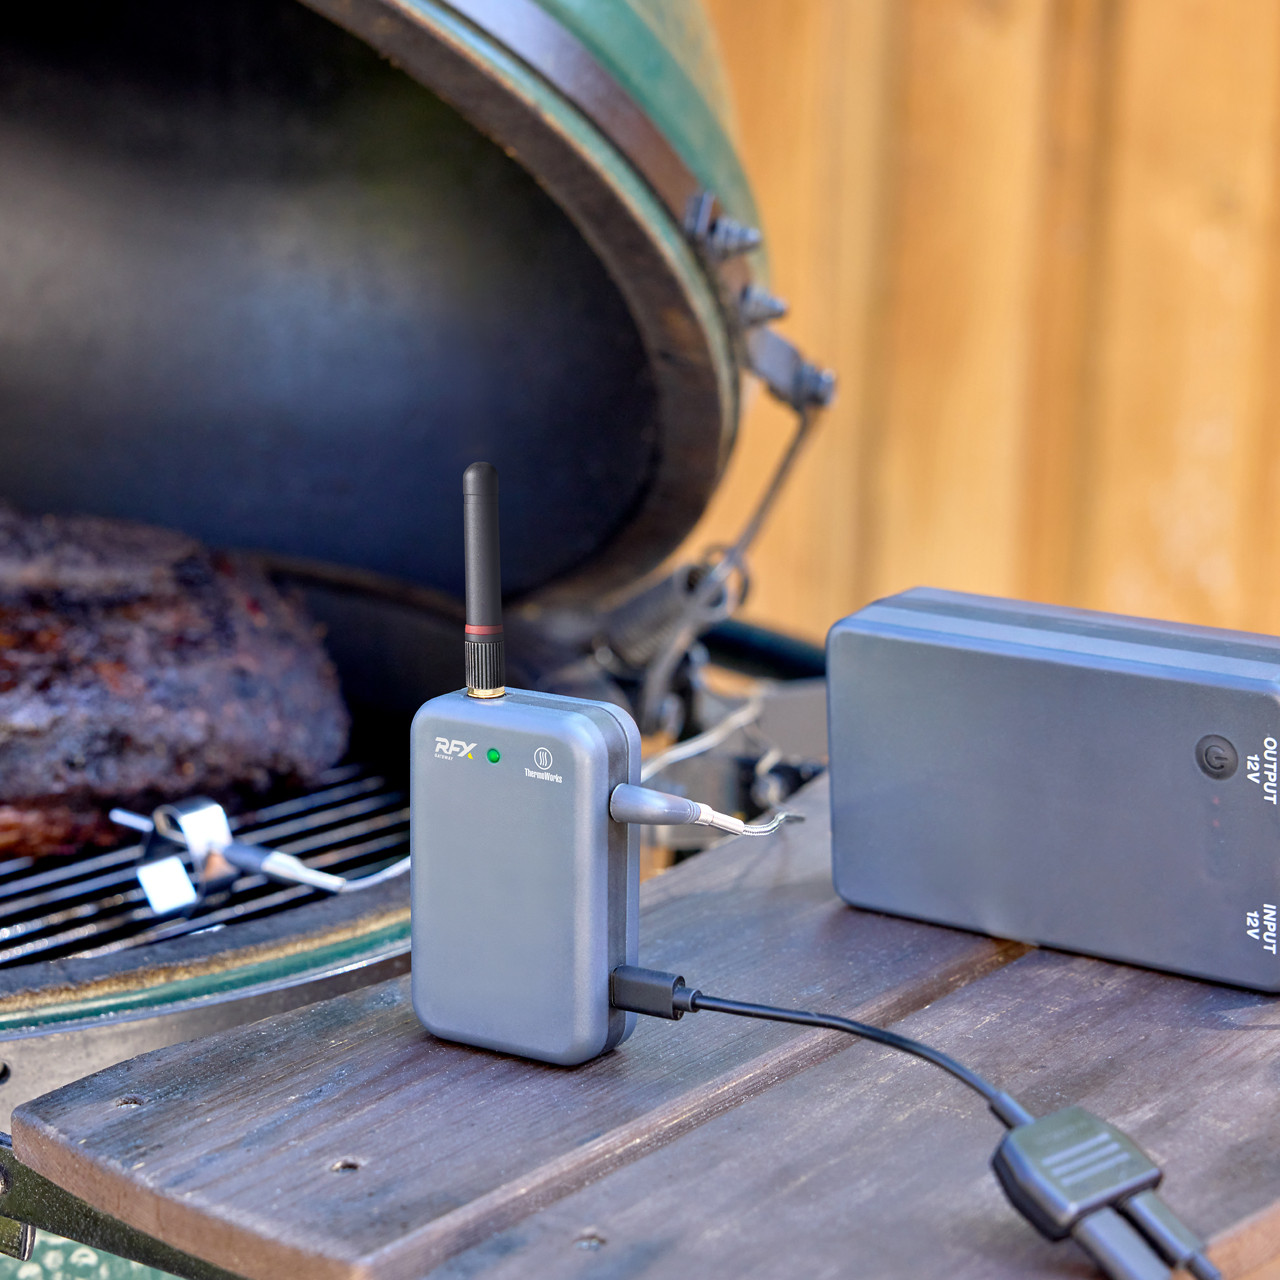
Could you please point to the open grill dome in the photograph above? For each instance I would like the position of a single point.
(261, 285)
(273, 275)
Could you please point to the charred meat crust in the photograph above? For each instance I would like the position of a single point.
(135, 662)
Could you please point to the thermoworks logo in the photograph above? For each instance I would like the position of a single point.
(446, 750)
(544, 760)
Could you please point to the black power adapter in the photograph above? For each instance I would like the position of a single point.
(1073, 779)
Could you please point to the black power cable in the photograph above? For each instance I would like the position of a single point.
(1068, 1174)
(1006, 1108)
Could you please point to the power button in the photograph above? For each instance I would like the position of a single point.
(1216, 756)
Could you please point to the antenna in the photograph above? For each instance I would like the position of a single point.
(485, 648)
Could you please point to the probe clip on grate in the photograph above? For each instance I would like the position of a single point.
(200, 826)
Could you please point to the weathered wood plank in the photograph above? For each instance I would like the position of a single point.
(873, 1164)
(236, 1146)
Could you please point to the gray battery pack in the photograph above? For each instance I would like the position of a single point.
(1096, 783)
(524, 891)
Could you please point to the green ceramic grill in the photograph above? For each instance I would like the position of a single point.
(273, 274)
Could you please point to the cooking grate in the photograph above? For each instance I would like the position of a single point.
(354, 822)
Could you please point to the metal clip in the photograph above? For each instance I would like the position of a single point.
(759, 306)
(198, 823)
(17, 1239)
(201, 825)
(786, 372)
(167, 885)
(718, 235)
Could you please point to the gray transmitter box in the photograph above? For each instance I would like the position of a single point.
(1096, 783)
(524, 891)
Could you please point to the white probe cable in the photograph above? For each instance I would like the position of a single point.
(745, 715)
(270, 862)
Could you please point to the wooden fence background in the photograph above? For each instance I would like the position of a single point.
(1038, 241)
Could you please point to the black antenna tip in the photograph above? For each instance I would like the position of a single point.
(480, 480)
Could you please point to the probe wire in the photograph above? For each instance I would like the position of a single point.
(724, 728)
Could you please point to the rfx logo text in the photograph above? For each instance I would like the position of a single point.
(446, 750)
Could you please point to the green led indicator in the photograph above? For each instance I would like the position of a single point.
(494, 755)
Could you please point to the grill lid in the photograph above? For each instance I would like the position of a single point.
(260, 284)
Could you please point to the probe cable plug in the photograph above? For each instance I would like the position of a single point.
(632, 804)
(1069, 1173)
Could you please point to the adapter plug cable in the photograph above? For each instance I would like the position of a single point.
(643, 805)
(1068, 1174)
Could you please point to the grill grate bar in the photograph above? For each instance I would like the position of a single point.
(247, 909)
(331, 777)
(287, 896)
(71, 869)
(13, 880)
(339, 858)
(15, 867)
(354, 823)
(84, 911)
(277, 833)
(95, 887)
(330, 839)
(93, 929)
(125, 876)
(313, 800)
(125, 860)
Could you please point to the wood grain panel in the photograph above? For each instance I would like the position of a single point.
(895, 151)
(1037, 240)
(1178, 433)
(1063, 321)
(947, 418)
(647, 1163)
(812, 85)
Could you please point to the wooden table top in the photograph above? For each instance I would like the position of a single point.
(342, 1141)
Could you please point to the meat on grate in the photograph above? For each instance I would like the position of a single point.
(136, 663)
